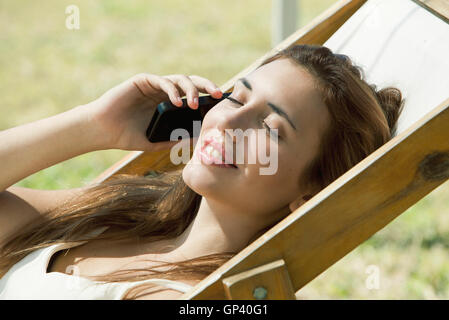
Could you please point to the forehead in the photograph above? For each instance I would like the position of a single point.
(283, 74)
(291, 87)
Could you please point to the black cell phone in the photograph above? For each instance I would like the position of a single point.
(169, 117)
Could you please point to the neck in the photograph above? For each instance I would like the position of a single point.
(217, 228)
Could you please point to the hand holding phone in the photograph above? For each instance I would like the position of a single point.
(169, 117)
(119, 118)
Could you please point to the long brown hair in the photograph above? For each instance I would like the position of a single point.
(363, 118)
(162, 206)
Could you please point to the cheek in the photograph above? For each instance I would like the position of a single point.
(262, 150)
(212, 116)
(284, 169)
(270, 193)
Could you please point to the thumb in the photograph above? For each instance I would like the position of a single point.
(158, 146)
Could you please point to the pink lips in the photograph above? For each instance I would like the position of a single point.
(216, 155)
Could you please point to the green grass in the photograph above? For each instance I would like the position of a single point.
(411, 254)
(47, 69)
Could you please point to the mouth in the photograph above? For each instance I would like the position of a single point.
(213, 153)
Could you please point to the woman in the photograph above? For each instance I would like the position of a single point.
(327, 119)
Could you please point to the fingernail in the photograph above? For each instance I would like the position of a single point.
(195, 101)
(216, 92)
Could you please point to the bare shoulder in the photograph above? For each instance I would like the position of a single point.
(20, 206)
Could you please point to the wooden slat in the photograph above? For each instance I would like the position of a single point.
(316, 32)
(140, 163)
(272, 278)
(439, 8)
(351, 209)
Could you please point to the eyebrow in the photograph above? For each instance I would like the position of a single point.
(274, 107)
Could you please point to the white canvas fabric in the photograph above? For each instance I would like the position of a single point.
(399, 43)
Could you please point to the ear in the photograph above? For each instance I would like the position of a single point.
(299, 201)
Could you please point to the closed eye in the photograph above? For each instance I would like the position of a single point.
(269, 130)
(235, 101)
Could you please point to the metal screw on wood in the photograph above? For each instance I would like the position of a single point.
(260, 293)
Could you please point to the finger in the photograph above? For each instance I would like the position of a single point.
(187, 85)
(158, 146)
(170, 88)
(156, 86)
(206, 86)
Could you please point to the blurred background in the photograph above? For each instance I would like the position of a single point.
(46, 69)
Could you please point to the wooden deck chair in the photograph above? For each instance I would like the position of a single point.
(404, 43)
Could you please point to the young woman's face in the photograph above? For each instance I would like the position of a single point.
(283, 95)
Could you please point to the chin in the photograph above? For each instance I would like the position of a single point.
(195, 179)
(203, 182)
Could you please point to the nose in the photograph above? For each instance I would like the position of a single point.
(239, 125)
(236, 118)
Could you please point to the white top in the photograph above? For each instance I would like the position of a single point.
(28, 280)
